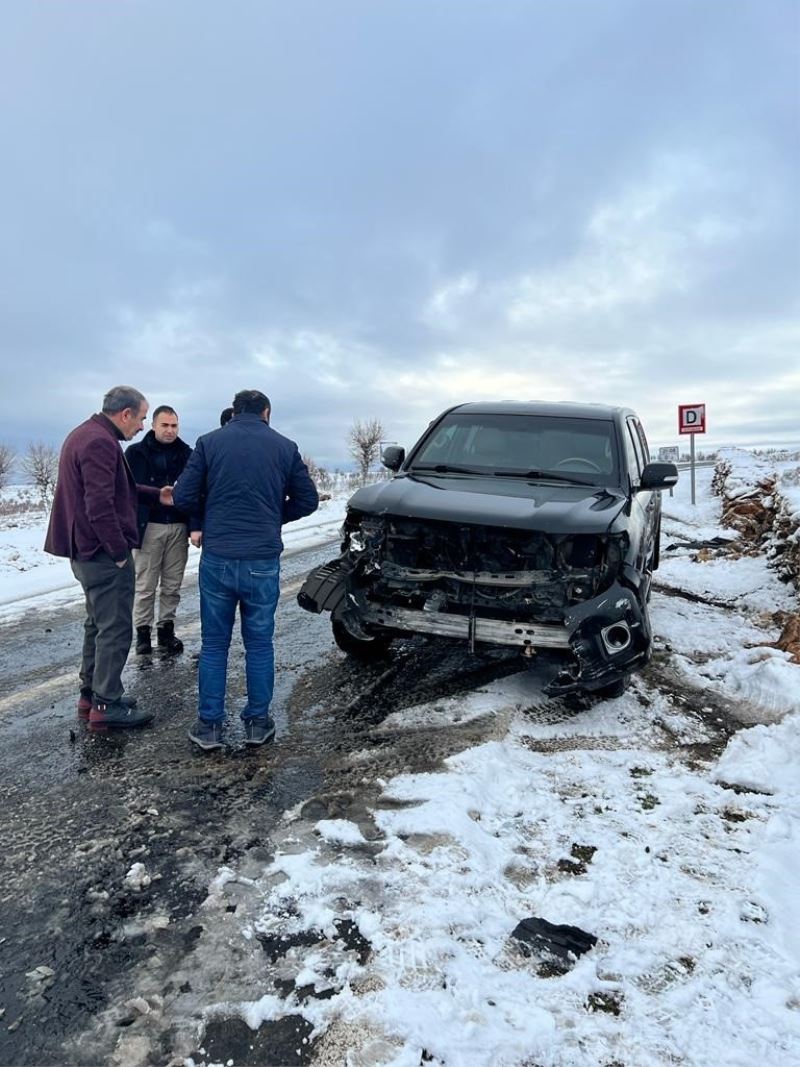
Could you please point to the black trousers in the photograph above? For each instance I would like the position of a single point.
(108, 629)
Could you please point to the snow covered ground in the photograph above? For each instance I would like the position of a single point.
(31, 579)
(621, 820)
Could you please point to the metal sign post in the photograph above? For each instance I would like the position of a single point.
(692, 420)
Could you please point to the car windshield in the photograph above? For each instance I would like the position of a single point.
(582, 450)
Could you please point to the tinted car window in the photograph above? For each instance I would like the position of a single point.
(634, 459)
(486, 443)
(643, 441)
(640, 446)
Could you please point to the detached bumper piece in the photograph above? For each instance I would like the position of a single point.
(326, 588)
(610, 637)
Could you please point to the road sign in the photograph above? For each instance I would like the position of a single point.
(691, 418)
(669, 454)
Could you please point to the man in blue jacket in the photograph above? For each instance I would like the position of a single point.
(248, 480)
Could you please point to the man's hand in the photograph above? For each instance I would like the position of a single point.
(121, 562)
(165, 496)
(196, 537)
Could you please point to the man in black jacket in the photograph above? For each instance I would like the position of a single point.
(158, 460)
(250, 480)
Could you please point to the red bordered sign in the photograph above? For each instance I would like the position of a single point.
(691, 418)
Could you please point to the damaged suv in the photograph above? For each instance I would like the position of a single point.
(534, 526)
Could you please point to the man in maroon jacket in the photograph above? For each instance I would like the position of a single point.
(93, 524)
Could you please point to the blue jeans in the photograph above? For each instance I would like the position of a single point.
(253, 584)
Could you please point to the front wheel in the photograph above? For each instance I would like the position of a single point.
(366, 648)
(613, 689)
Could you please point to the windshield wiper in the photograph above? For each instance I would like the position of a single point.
(445, 468)
(548, 476)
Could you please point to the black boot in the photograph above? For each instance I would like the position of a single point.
(167, 641)
(143, 645)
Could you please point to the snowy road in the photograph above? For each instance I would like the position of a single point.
(80, 810)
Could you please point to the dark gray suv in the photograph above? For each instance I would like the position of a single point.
(534, 526)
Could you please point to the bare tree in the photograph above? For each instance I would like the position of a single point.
(40, 463)
(7, 457)
(364, 443)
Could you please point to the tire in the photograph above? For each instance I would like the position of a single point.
(615, 689)
(366, 649)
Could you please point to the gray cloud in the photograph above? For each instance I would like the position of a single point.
(379, 209)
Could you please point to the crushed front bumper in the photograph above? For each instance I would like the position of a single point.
(609, 636)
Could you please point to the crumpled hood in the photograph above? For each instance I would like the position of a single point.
(513, 502)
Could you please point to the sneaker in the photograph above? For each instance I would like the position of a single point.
(167, 641)
(206, 735)
(258, 731)
(143, 644)
(115, 715)
(85, 703)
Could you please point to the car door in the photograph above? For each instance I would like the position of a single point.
(647, 504)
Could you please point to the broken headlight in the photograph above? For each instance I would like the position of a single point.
(360, 536)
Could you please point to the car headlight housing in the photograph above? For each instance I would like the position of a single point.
(361, 534)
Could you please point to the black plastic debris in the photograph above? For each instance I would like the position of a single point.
(712, 542)
(537, 936)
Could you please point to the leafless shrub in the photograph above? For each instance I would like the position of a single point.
(320, 476)
(7, 458)
(40, 464)
(364, 444)
(324, 479)
(21, 509)
(312, 467)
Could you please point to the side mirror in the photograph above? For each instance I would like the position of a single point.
(659, 476)
(392, 457)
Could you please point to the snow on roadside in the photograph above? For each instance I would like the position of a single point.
(684, 873)
(31, 580)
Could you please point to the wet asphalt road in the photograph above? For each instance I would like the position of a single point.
(80, 809)
(76, 942)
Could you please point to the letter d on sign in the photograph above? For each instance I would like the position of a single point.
(691, 418)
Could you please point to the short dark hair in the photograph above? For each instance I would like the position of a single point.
(250, 402)
(225, 416)
(164, 409)
(121, 397)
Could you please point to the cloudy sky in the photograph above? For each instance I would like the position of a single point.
(383, 207)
